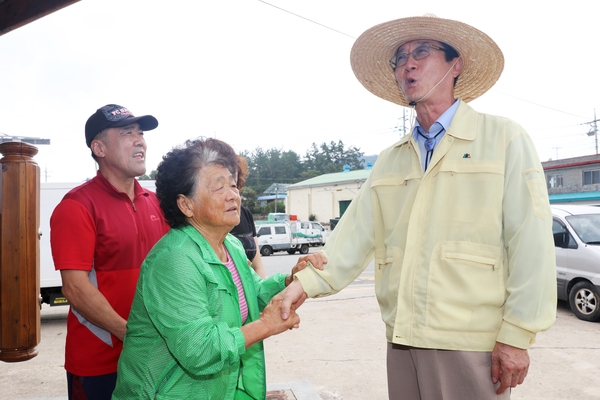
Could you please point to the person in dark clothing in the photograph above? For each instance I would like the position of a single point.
(245, 231)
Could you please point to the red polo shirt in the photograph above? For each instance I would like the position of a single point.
(96, 228)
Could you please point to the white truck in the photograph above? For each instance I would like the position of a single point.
(290, 236)
(50, 282)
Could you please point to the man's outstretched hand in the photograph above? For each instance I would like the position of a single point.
(293, 294)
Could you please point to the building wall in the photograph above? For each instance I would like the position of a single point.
(572, 180)
(322, 201)
(573, 190)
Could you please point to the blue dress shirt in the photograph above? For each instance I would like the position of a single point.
(442, 123)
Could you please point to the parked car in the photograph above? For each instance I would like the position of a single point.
(576, 230)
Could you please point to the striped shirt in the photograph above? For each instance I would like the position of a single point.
(238, 283)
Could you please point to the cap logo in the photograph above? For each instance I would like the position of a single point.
(116, 114)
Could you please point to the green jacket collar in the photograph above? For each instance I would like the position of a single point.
(207, 252)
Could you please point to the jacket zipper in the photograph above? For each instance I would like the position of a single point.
(164, 380)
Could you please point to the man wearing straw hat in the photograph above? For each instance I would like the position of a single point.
(455, 215)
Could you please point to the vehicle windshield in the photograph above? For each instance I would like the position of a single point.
(587, 227)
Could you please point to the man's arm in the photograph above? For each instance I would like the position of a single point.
(89, 302)
(531, 284)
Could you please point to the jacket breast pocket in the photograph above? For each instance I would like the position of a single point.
(475, 189)
(466, 290)
(393, 197)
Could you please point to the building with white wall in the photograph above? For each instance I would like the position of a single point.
(326, 196)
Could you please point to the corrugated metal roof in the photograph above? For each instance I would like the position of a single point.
(337, 177)
(276, 188)
(280, 196)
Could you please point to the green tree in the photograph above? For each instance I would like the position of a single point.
(276, 166)
(270, 207)
(249, 197)
(309, 174)
(266, 167)
(150, 177)
(332, 157)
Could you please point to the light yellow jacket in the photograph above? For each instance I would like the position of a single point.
(464, 253)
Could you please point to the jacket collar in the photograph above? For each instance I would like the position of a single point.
(464, 123)
(137, 188)
(208, 254)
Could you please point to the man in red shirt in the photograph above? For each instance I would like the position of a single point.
(100, 233)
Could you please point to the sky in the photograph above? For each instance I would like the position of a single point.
(276, 74)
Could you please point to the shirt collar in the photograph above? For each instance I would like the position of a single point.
(464, 128)
(443, 121)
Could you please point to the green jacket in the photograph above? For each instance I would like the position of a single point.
(183, 336)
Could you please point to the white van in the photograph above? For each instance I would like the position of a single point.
(576, 230)
(287, 236)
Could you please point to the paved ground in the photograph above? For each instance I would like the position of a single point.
(339, 353)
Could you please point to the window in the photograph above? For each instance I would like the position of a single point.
(265, 230)
(587, 227)
(317, 226)
(562, 237)
(280, 230)
(591, 177)
(555, 180)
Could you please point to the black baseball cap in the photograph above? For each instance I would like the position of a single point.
(111, 116)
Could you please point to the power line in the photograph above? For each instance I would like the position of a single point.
(398, 127)
(309, 20)
(536, 104)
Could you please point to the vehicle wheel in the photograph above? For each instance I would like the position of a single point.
(585, 301)
(304, 249)
(291, 251)
(266, 251)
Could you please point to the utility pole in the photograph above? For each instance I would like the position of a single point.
(46, 173)
(593, 129)
(401, 126)
(276, 193)
(556, 148)
(403, 121)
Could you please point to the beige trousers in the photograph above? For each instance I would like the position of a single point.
(428, 374)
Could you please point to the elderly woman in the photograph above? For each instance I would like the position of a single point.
(195, 329)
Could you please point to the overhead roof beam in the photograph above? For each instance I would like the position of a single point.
(16, 13)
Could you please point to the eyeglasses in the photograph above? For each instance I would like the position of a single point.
(422, 51)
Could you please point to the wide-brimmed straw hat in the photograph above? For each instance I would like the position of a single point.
(482, 58)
